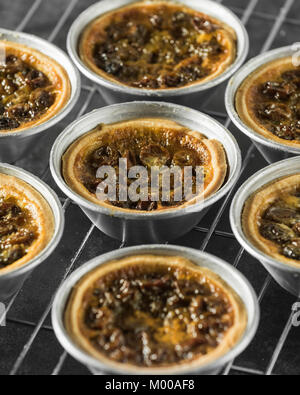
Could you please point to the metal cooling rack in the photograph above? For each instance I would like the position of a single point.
(27, 342)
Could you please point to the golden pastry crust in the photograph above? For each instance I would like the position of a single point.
(58, 77)
(75, 308)
(246, 97)
(29, 199)
(216, 169)
(256, 206)
(224, 34)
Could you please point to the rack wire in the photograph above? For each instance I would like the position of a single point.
(28, 344)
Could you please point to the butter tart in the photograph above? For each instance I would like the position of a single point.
(143, 142)
(26, 223)
(33, 88)
(150, 312)
(159, 45)
(268, 101)
(271, 219)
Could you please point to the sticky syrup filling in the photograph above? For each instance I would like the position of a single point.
(18, 231)
(280, 224)
(277, 105)
(146, 147)
(152, 316)
(159, 46)
(25, 93)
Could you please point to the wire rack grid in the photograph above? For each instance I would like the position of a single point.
(27, 342)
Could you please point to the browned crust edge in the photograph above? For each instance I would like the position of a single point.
(255, 207)
(215, 148)
(32, 200)
(229, 37)
(54, 71)
(74, 311)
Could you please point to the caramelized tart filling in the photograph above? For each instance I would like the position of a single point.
(148, 146)
(26, 93)
(280, 224)
(278, 105)
(18, 231)
(158, 46)
(269, 101)
(27, 223)
(155, 315)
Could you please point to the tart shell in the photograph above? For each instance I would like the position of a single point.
(245, 97)
(254, 208)
(27, 197)
(53, 70)
(74, 311)
(88, 143)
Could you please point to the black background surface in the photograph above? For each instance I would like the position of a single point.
(26, 324)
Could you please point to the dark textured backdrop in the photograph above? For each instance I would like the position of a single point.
(28, 344)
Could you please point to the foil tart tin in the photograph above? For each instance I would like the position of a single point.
(191, 95)
(12, 281)
(16, 145)
(156, 227)
(287, 276)
(231, 275)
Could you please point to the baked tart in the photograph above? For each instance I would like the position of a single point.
(33, 89)
(157, 45)
(268, 101)
(271, 219)
(149, 143)
(149, 312)
(26, 223)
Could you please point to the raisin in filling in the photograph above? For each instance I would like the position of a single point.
(148, 148)
(17, 231)
(281, 225)
(165, 47)
(25, 93)
(156, 316)
(278, 105)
